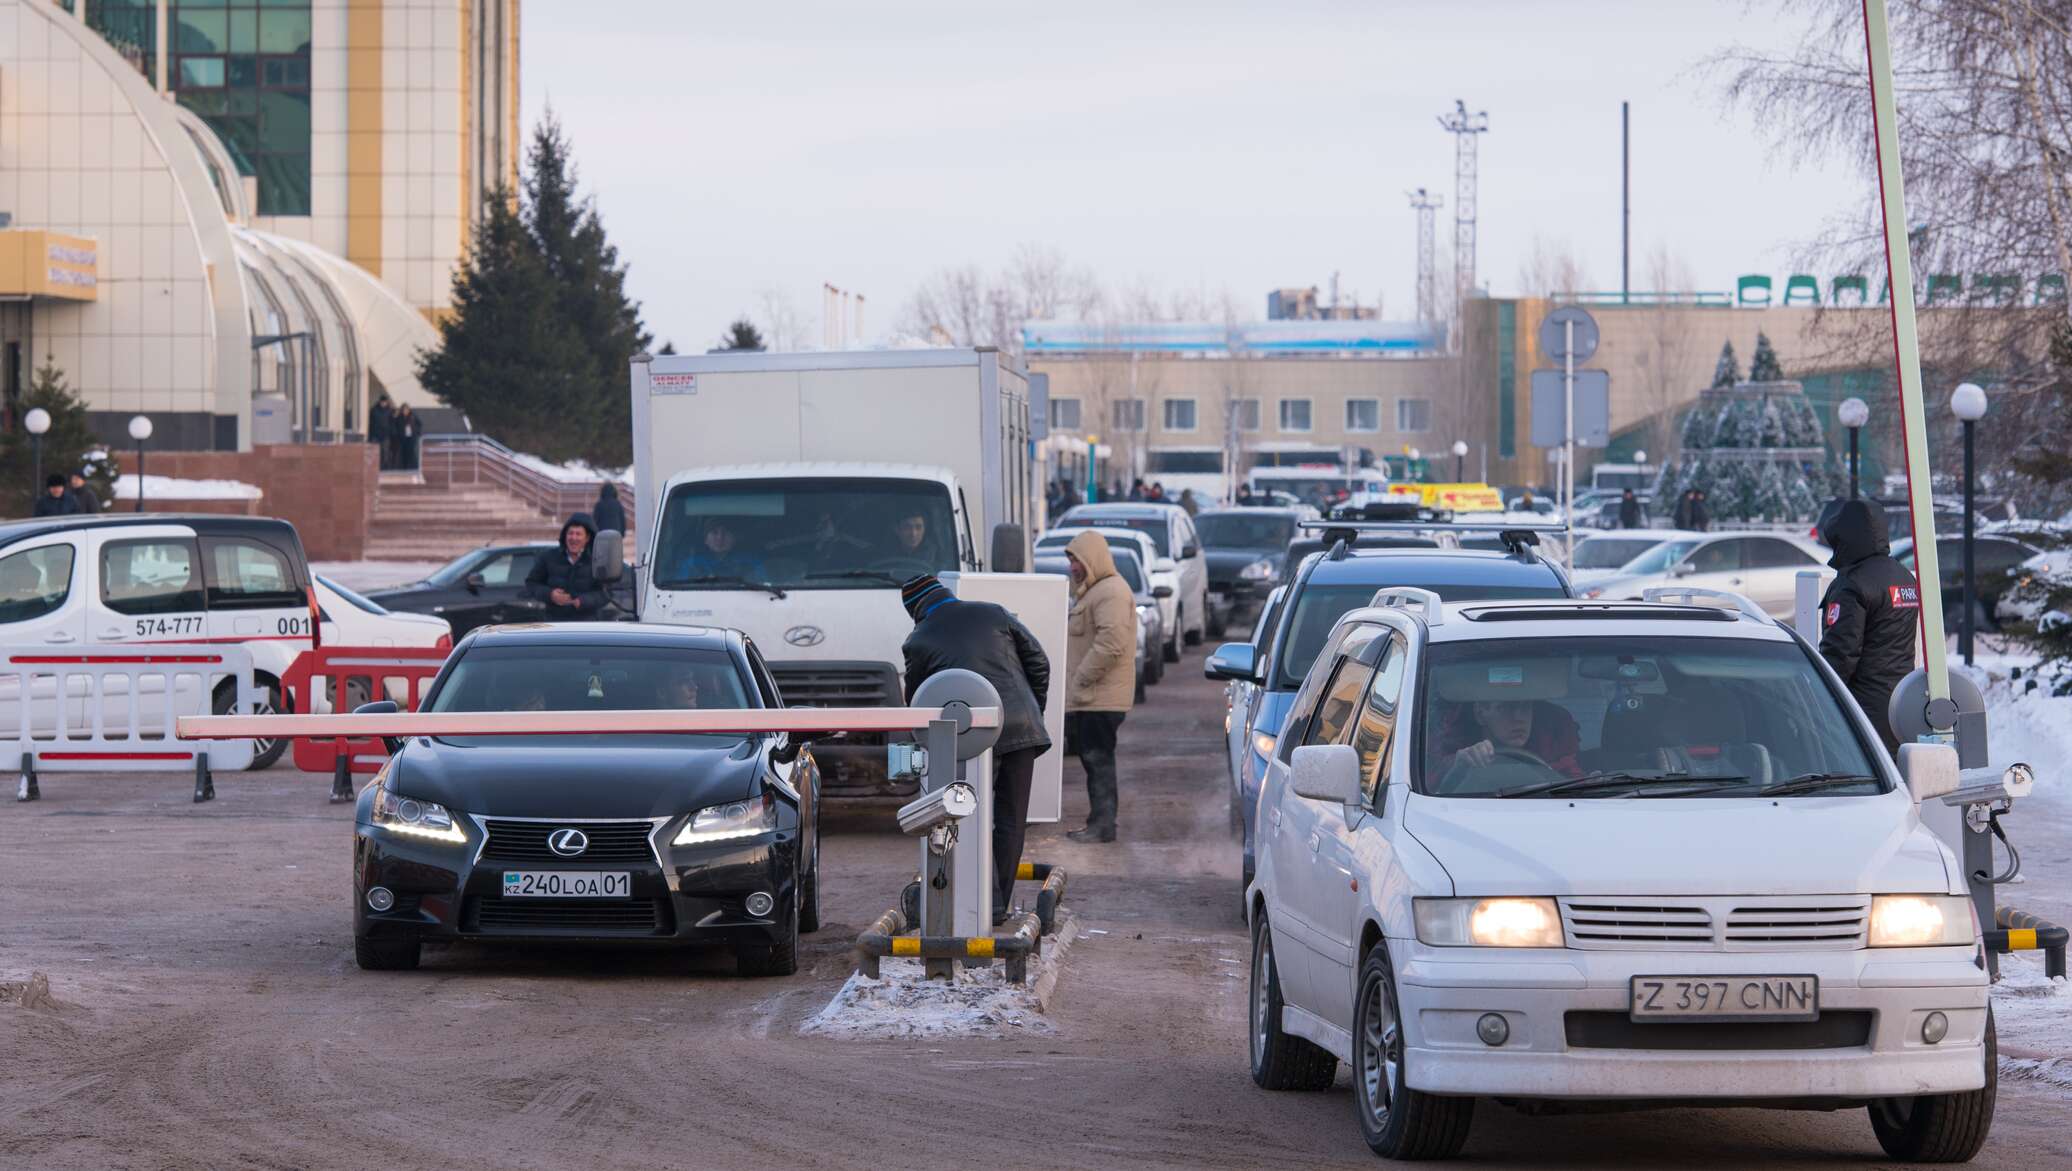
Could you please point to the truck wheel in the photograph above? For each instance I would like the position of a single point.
(1397, 1122)
(264, 752)
(1940, 1128)
(385, 955)
(1280, 1061)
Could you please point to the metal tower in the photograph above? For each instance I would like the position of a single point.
(1427, 271)
(1464, 127)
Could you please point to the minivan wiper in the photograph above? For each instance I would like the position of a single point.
(1617, 779)
(874, 574)
(736, 579)
(1813, 783)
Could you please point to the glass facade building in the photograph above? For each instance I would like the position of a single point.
(243, 66)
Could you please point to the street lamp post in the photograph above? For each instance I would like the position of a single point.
(1968, 403)
(1854, 413)
(1460, 461)
(140, 430)
(36, 422)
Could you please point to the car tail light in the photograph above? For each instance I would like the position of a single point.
(444, 645)
(316, 625)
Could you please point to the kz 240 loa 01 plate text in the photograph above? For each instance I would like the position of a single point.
(1726, 998)
(567, 884)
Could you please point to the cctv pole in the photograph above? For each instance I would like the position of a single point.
(1568, 437)
(1906, 347)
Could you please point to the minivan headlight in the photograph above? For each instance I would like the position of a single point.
(1503, 922)
(1921, 921)
(721, 823)
(408, 815)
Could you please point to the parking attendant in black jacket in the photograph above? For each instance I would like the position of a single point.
(563, 579)
(1871, 612)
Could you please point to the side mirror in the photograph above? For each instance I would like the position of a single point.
(1189, 551)
(1326, 772)
(1930, 770)
(792, 744)
(608, 556)
(383, 707)
(1162, 591)
(1682, 569)
(474, 582)
(1233, 660)
(1010, 549)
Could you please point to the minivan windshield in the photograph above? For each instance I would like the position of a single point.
(800, 533)
(1635, 717)
(1319, 607)
(1242, 530)
(570, 678)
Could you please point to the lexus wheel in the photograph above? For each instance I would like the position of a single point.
(385, 955)
(809, 888)
(780, 957)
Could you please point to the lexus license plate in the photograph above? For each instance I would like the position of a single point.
(567, 884)
(1726, 998)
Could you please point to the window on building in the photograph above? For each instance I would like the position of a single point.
(1064, 414)
(243, 65)
(1413, 414)
(1247, 411)
(1363, 414)
(1179, 414)
(1127, 415)
(1295, 414)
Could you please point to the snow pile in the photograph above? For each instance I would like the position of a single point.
(168, 488)
(573, 472)
(904, 1003)
(2033, 1014)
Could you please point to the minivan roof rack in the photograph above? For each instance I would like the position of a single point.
(1687, 594)
(1518, 538)
(1430, 606)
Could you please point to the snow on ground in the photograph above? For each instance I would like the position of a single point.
(978, 1003)
(2033, 1015)
(572, 472)
(168, 488)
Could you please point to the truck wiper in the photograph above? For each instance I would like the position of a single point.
(736, 579)
(874, 574)
(1621, 779)
(1813, 783)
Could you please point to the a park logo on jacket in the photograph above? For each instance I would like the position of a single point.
(1905, 597)
(1834, 613)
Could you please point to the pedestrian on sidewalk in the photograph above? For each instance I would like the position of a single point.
(408, 427)
(608, 514)
(89, 500)
(986, 638)
(55, 501)
(379, 421)
(1870, 613)
(1101, 664)
(563, 580)
(1630, 515)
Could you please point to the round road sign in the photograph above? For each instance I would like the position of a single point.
(1554, 334)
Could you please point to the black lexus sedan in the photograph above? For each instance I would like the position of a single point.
(654, 839)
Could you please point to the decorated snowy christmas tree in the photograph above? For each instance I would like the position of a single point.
(1756, 447)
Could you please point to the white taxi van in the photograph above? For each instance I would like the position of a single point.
(1560, 852)
(141, 578)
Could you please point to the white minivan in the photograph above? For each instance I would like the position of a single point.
(141, 578)
(1641, 853)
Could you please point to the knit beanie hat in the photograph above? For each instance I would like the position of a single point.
(922, 594)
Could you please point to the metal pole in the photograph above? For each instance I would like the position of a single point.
(36, 446)
(1855, 462)
(1906, 345)
(1625, 203)
(1568, 435)
(140, 475)
(1964, 630)
(1460, 468)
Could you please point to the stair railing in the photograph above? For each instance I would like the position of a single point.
(478, 459)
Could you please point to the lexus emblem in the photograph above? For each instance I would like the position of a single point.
(805, 636)
(568, 842)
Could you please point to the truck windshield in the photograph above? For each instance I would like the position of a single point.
(796, 533)
(1635, 717)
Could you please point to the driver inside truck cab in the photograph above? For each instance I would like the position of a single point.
(717, 556)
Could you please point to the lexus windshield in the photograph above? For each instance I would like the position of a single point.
(565, 678)
(828, 533)
(1631, 717)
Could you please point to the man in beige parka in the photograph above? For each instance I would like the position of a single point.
(1101, 658)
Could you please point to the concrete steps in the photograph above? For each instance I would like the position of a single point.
(415, 521)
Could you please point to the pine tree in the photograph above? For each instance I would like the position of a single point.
(68, 446)
(1764, 367)
(1728, 371)
(740, 336)
(508, 357)
(590, 291)
(668, 350)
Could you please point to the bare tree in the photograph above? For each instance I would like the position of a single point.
(783, 327)
(1666, 353)
(966, 306)
(1552, 269)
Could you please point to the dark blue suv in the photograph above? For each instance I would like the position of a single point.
(1265, 673)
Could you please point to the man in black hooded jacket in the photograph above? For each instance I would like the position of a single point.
(563, 580)
(1871, 612)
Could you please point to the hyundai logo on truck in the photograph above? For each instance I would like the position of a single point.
(805, 636)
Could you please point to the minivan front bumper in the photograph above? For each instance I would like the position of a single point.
(1570, 1035)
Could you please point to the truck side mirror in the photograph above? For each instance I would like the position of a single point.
(608, 556)
(1010, 550)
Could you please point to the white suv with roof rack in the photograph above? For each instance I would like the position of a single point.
(1641, 852)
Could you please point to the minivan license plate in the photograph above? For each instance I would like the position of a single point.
(1726, 998)
(567, 884)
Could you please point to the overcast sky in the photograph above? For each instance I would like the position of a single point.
(737, 148)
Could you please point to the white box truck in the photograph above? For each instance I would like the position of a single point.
(789, 495)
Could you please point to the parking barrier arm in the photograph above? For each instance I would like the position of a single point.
(564, 723)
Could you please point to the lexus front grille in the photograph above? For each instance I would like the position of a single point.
(526, 841)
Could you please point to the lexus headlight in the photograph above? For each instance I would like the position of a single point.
(1922, 921)
(1488, 922)
(1259, 570)
(420, 819)
(722, 823)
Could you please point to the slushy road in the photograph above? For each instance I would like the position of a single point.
(210, 1016)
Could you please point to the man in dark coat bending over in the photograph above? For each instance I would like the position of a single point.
(1871, 612)
(563, 580)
